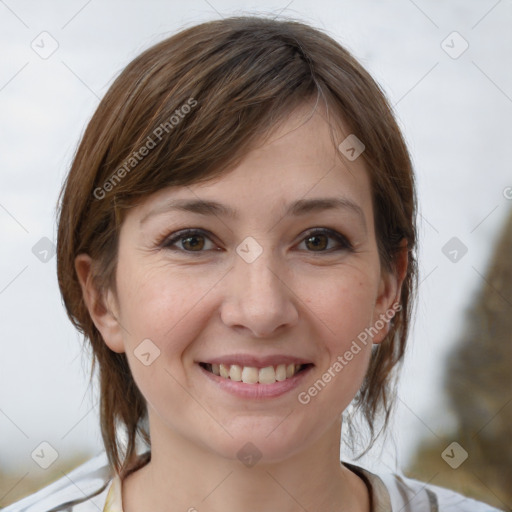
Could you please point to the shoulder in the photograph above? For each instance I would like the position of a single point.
(391, 492)
(407, 494)
(83, 489)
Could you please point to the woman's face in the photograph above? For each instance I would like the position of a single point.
(281, 269)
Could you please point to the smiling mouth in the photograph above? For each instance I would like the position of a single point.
(253, 375)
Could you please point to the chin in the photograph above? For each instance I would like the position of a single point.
(262, 440)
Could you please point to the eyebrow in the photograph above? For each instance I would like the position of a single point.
(297, 208)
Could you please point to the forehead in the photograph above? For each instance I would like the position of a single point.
(298, 160)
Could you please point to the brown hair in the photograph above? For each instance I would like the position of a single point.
(239, 77)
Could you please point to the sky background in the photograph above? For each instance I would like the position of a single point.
(453, 103)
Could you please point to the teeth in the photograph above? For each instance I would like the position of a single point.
(252, 375)
(224, 371)
(235, 372)
(267, 375)
(281, 372)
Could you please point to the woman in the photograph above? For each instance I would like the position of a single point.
(237, 242)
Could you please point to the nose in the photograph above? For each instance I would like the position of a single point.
(258, 299)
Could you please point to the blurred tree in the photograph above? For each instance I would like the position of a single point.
(478, 383)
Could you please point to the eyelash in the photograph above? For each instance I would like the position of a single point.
(168, 242)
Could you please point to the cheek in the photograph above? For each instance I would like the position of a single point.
(343, 304)
(342, 310)
(168, 309)
(164, 305)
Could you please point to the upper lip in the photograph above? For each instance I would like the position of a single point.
(255, 361)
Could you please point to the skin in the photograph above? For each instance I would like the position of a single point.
(296, 298)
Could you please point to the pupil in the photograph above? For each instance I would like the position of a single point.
(192, 244)
(317, 244)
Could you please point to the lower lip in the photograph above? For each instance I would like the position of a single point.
(257, 391)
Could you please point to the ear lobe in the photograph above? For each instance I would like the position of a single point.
(389, 294)
(101, 309)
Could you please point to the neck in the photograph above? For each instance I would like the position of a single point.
(313, 479)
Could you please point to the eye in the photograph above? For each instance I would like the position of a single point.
(190, 240)
(196, 240)
(318, 241)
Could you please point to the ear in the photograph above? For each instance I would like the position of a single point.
(101, 307)
(388, 300)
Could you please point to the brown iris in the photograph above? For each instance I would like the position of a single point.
(192, 241)
(322, 244)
